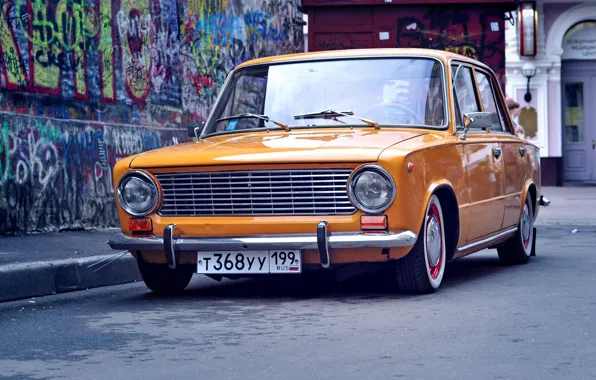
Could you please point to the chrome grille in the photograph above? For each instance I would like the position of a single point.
(262, 192)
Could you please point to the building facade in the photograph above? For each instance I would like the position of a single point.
(85, 83)
(550, 42)
(560, 113)
(469, 27)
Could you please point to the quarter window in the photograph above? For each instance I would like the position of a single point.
(464, 92)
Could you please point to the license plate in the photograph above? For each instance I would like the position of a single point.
(236, 262)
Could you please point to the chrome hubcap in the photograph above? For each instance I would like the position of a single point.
(433, 241)
(526, 225)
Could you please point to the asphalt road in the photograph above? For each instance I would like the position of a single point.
(535, 321)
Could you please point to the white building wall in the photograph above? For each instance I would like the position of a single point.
(545, 87)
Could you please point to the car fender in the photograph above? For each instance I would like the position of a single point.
(431, 189)
(525, 192)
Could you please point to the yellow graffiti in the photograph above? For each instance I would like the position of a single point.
(46, 74)
(106, 51)
(81, 22)
(134, 26)
(71, 24)
(12, 62)
(198, 6)
(468, 51)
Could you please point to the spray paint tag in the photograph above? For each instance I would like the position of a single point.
(232, 125)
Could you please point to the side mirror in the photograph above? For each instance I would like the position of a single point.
(479, 120)
(194, 129)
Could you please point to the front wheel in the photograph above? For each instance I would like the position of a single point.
(161, 279)
(518, 248)
(421, 270)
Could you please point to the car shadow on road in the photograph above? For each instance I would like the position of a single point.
(378, 284)
(474, 267)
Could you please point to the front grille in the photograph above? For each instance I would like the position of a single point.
(261, 192)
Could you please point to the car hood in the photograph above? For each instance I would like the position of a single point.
(297, 146)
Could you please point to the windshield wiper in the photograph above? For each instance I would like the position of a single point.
(253, 115)
(314, 115)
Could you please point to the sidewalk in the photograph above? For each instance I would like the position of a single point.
(48, 263)
(569, 206)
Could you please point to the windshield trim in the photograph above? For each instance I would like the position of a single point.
(218, 102)
(313, 127)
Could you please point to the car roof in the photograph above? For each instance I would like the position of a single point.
(445, 56)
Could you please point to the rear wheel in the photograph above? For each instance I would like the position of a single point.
(161, 279)
(421, 270)
(518, 248)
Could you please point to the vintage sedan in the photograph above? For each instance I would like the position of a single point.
(403, 158)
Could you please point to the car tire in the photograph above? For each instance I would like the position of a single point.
(518, 248)
(161, 279)
(421, 270)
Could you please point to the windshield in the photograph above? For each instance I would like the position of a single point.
(390, 92)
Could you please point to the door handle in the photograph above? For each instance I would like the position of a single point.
(593, 144)
(497, 151)
(522, 151)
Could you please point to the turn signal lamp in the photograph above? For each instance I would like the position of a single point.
(140, 225)
(373, 222)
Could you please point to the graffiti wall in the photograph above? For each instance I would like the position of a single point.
(219, 34)
(84, 83)
(59, 174)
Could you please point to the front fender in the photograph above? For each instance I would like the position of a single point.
(530, 187)
(432, 169)
(432, 189)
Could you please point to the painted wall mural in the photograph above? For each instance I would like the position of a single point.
(476, 33)
(81, 82)
(475, 30)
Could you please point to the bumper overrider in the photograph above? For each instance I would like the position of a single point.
(323, 241)
(544, 201)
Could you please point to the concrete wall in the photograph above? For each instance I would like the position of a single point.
(85, 83)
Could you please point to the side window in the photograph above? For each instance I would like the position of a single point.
(464, 93)
(488, 100)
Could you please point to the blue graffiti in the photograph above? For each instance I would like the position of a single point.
(221, 27)
(150, 142)
(84, 148)
(259, 21)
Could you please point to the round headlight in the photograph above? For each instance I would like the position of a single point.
(372, 189)
(137, 194)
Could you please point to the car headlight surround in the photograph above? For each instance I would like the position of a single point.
(137, 193)
(371, 189)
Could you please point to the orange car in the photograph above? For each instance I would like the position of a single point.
(405, 158)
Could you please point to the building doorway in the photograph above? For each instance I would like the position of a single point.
(578, 80)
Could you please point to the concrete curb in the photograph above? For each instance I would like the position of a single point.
(37, 279)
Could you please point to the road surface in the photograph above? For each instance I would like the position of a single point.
(535, 321)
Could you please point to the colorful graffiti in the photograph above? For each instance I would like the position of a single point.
(126, 50)
(137, 52)
(81, 79)
(57, 175)
(218, 35)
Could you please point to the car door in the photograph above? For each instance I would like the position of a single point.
(513, 156)
(483, 160)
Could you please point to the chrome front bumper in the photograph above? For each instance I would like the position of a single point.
(323, 241)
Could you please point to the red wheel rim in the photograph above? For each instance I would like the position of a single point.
(526, 227)
(434, 231)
